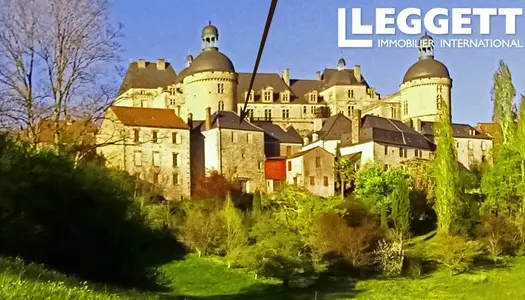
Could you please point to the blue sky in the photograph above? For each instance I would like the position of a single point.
(303, 38)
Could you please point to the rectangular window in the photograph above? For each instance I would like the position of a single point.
(175, 138)
(221, 106)
(393, 112)
(418, 153)
(288, 150)
(267, 96)
(405, 107)
(483, 146)
(402, 152)
(457, 145)
(317, 162)
(154, 136)
(313, 97)
(350, 110)
(286, 113)
(156, 178)
(350, 93)
(249, 138)
(136, 135)
(304, 110)
(386, 150)
(470, 145)
(138, 158)
(250, 113)
(144, 104)
(325, 180)
(285, 97)
(312, 180)
(175, 179)
(289, 166)
(261, 165)
(156, 159)
(267, 114)
(175, 160)
(220, 88)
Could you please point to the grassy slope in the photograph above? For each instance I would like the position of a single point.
(31, 281)
(209, 278)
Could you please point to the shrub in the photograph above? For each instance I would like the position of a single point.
(77, 219)
(500, 236)
(413, 266)
(390, 257)
(203, 231)
(354, 244)
(455, 252)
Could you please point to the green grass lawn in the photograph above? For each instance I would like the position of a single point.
(209, 278)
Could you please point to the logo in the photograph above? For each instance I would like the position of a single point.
(436, 21)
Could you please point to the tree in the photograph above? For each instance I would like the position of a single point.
(236, 232)
(503, 94)
(344, 171)
(445, 173)
(55, 59)
(401, 207)
(520, 149)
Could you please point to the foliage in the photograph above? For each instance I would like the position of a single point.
(278, 251)
(203, 231)
(455, 252)
(354, 244)
(390, 256)
(500, 236)
(503, 93)
(79, 219)
(501, 185)
(401, 207)
(374, 186)
(256, 205)
(298, 210)
(236, 232)
(445, 173)
(214, 189)
(344, 171)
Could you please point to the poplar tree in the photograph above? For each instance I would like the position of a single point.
(520, 149)
(401, 207)
(503, 93)
(446, 173)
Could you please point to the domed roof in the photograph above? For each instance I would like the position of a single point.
(210, 30)
(426, 68)
(210, 60)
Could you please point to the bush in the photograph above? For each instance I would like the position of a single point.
(80, 220)
(390, 256)
(203, 231)
(413, 266)
(455, 252)
(355, 245)
(500, 236)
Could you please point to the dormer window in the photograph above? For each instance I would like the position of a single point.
(251, 97)
(172, 90)
(472, 132)
(312, 97)
(267, 94)
(285, 96)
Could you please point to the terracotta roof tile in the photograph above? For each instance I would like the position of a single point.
(148, 117)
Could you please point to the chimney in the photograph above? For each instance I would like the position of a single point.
(189, 60)
(318, 124)
(318, 75)
(141, 63)
(190, 120)
(286, 76)
(356, 125)
(161, 64)
(306, 141)
(357, 73)
(207, 123)
(315, 137)
(417, 125)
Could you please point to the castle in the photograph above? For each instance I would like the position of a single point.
(172, 128)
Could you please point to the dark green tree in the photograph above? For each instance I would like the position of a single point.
(503, 94)
(401, 207)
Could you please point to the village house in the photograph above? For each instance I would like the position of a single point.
(150, 143)
(235, 149)
(313, 170)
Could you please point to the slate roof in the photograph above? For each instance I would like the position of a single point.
(334, 127)
(389, 131)
(332, 77)
(147, 78)
(290, 136)
(459, 131)
(301, 153)
(148, 117)
(227, 120)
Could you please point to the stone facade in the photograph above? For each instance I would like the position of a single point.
(313, 170)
